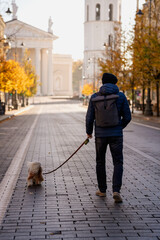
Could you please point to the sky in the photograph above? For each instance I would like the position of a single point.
(68, 21)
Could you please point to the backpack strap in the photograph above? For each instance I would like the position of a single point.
(98, 94)
(105, 101)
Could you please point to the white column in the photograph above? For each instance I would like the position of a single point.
(50, 72)
(44, 70)
(38, 67)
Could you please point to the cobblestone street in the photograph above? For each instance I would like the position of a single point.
(65, 206)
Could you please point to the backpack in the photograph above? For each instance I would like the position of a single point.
(106, 112)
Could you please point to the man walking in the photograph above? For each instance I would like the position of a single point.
(109, 134)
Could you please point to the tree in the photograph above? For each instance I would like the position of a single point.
(12, 77)
(87, 89)
(115, 58)
(32, 82)
(145, 49)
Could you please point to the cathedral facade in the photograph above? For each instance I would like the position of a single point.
(54, 71)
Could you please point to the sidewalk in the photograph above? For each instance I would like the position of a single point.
(12, 113)
(139, 115)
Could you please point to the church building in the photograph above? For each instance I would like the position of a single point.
(54, 70)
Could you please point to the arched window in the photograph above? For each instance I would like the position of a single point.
(58, 83)
(98, 11)
(110, 12)
(87, 13)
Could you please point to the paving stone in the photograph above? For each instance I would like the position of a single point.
(142, 238)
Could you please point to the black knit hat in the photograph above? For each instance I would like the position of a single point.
(109, 78)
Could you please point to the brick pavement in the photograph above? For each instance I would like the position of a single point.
(65, 206)
(12, 134)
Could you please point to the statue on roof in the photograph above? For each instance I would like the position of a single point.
(50, 23)
(14, 10)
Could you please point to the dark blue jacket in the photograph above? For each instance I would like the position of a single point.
(123, 111)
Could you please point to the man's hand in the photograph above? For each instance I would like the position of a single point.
(89, 135)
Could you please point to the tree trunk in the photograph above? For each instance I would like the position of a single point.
(157, 89)
(132, 99)
(143, 95)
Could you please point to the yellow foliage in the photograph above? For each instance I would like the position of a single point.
(12, 77)
(115, 59)
(145, 47)
(87, 89)
(31, 87)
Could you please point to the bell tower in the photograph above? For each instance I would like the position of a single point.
(101, 18)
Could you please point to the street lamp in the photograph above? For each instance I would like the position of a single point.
(148, 109)
(8, 11)
(140, 13)
(94, 60)
(4, 46)
(132, 84)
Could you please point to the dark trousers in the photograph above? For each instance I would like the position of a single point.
(116, 148)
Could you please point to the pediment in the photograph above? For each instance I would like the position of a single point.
(18, 29)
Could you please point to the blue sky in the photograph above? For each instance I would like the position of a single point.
(68, 18)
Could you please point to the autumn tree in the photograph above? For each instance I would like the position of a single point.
(32, 82)
(87, 89)
(115, 58)
(145, 48)
(12, 77)
(16, 79)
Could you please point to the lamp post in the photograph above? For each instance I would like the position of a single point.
(4, 46)
(132, 85)
(93, 60)
(8, 11)
(15, 95)
(148, 109)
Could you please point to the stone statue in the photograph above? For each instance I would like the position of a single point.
(50, 23)
(14, 10)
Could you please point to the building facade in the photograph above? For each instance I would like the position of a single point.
(39, 44)
(2, 26)
(101, 18)
(62, 75)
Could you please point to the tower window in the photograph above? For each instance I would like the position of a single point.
(87, 13)
(110, 12)
(98, 11)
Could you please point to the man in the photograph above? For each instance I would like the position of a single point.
(112, 136)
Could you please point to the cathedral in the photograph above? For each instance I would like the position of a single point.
(101, 18)
(54, 70)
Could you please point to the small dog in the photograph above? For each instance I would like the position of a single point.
(34, 174)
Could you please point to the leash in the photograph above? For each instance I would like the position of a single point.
(84, 143)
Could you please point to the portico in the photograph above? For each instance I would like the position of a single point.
(39, 44)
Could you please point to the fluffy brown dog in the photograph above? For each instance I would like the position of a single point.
(34, 174)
